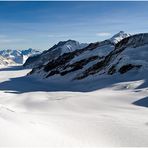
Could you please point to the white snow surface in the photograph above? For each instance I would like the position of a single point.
(35, 113)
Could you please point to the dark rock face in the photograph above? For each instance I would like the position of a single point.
(78, 65)
(112, 70)
(128, 67)
(52, 73)
(62, 60)
(61, 63)
(31, 60)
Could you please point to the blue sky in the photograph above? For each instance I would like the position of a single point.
(42, 24)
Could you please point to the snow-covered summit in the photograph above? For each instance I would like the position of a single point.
(119, 36)
(68, 46)
(54, 52)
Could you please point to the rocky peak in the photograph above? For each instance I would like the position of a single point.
(119, 36)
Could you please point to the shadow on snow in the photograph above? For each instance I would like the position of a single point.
(142, 102)
(28, 84)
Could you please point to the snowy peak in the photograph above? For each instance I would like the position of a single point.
(119, 36)
(133, 41)
(14, 55)
(54, 52)
(18, 56)
(68, 46)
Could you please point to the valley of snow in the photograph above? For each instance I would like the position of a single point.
(36, 113)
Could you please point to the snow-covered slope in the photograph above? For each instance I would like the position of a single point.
(15, 55)
(18, 56)
(54, 52)
(100, 59)
(5, 61)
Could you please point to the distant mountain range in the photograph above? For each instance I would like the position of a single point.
(18, 56)
(6, 61)
(123, 53)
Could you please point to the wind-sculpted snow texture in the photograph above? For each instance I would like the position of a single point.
(102, 113)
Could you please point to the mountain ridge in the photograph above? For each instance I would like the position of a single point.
(57, 50)
(98, 59)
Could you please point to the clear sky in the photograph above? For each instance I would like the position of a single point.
(41, 24)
